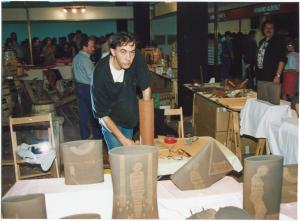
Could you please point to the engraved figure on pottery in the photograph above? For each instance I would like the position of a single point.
(137, 188)
(257, 192)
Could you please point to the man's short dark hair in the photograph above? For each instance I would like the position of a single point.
(265, 23)
(85, 41)
(120, 39)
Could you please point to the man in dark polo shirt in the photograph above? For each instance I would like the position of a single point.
(115, 80)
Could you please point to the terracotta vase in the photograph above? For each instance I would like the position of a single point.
(134, 174)
(83, 162)
(30, 206)
(262, 186)
(146, 114)
(205, 168)
(289, 183)
(83, 216)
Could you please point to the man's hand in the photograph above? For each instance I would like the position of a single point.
(126, 142)
(276, 79)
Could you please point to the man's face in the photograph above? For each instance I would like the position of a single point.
(269, 30)
(90, 47)
(124, 55)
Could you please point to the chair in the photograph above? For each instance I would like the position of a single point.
(29, 121)
(178, 112)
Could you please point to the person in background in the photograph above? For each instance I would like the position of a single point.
(116, 78)
(36, 51)
(72, 43)
(16, 46)
(271, 55)
(48, 52)
(249, 49)
(83, 69)
(226, 56)
(291, 72)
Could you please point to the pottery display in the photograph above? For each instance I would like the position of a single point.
(83, 162)
(134, 177)
(146, 114)
(31, 206)
(262, 186)
(205, 168)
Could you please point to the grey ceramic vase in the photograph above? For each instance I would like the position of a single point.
(83, 162)
(289, 183)
(32, 206)
(268, 91)
(83, 216)
(205, 168)
(134, 175)
(262, 186)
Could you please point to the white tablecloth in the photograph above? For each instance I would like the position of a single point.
(63, 200)
(277, 123)
(65, 70)
(257, 115)
(283, 140)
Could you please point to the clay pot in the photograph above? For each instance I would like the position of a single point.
(83, 162)
(134, 174)
(289, 183)
(205, 168)
(83, 216)
(146, 113)
(30, 206)
(262, 186)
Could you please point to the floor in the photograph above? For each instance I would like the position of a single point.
(71, 132)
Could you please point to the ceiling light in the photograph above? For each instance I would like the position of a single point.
(65, 10)
(74, 10)
(83, 10)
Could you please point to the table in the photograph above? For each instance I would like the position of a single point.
(170, 166)
(37, 73)
(219, 117)
(63, 200)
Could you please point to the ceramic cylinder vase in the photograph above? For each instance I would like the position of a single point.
(146, 114)
(262, 186)
(289, 183)
(134, 174)
(83, 162)
(30, 206)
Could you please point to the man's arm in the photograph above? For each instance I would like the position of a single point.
(147, 93)
(280, 67)
(110, 124)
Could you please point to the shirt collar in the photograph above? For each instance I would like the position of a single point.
(83, 52)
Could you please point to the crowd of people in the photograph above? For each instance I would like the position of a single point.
(46, 51)
(273, 58)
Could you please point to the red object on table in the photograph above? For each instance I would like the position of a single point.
(170, 140)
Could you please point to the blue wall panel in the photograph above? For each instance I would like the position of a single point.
(57, 29)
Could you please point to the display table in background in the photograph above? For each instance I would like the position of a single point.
(63, 200)
(37, 73)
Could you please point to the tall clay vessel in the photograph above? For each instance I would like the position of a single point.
(262, 186)
(134, 174)
(146, 113)
(32, 206)
(83, 162)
